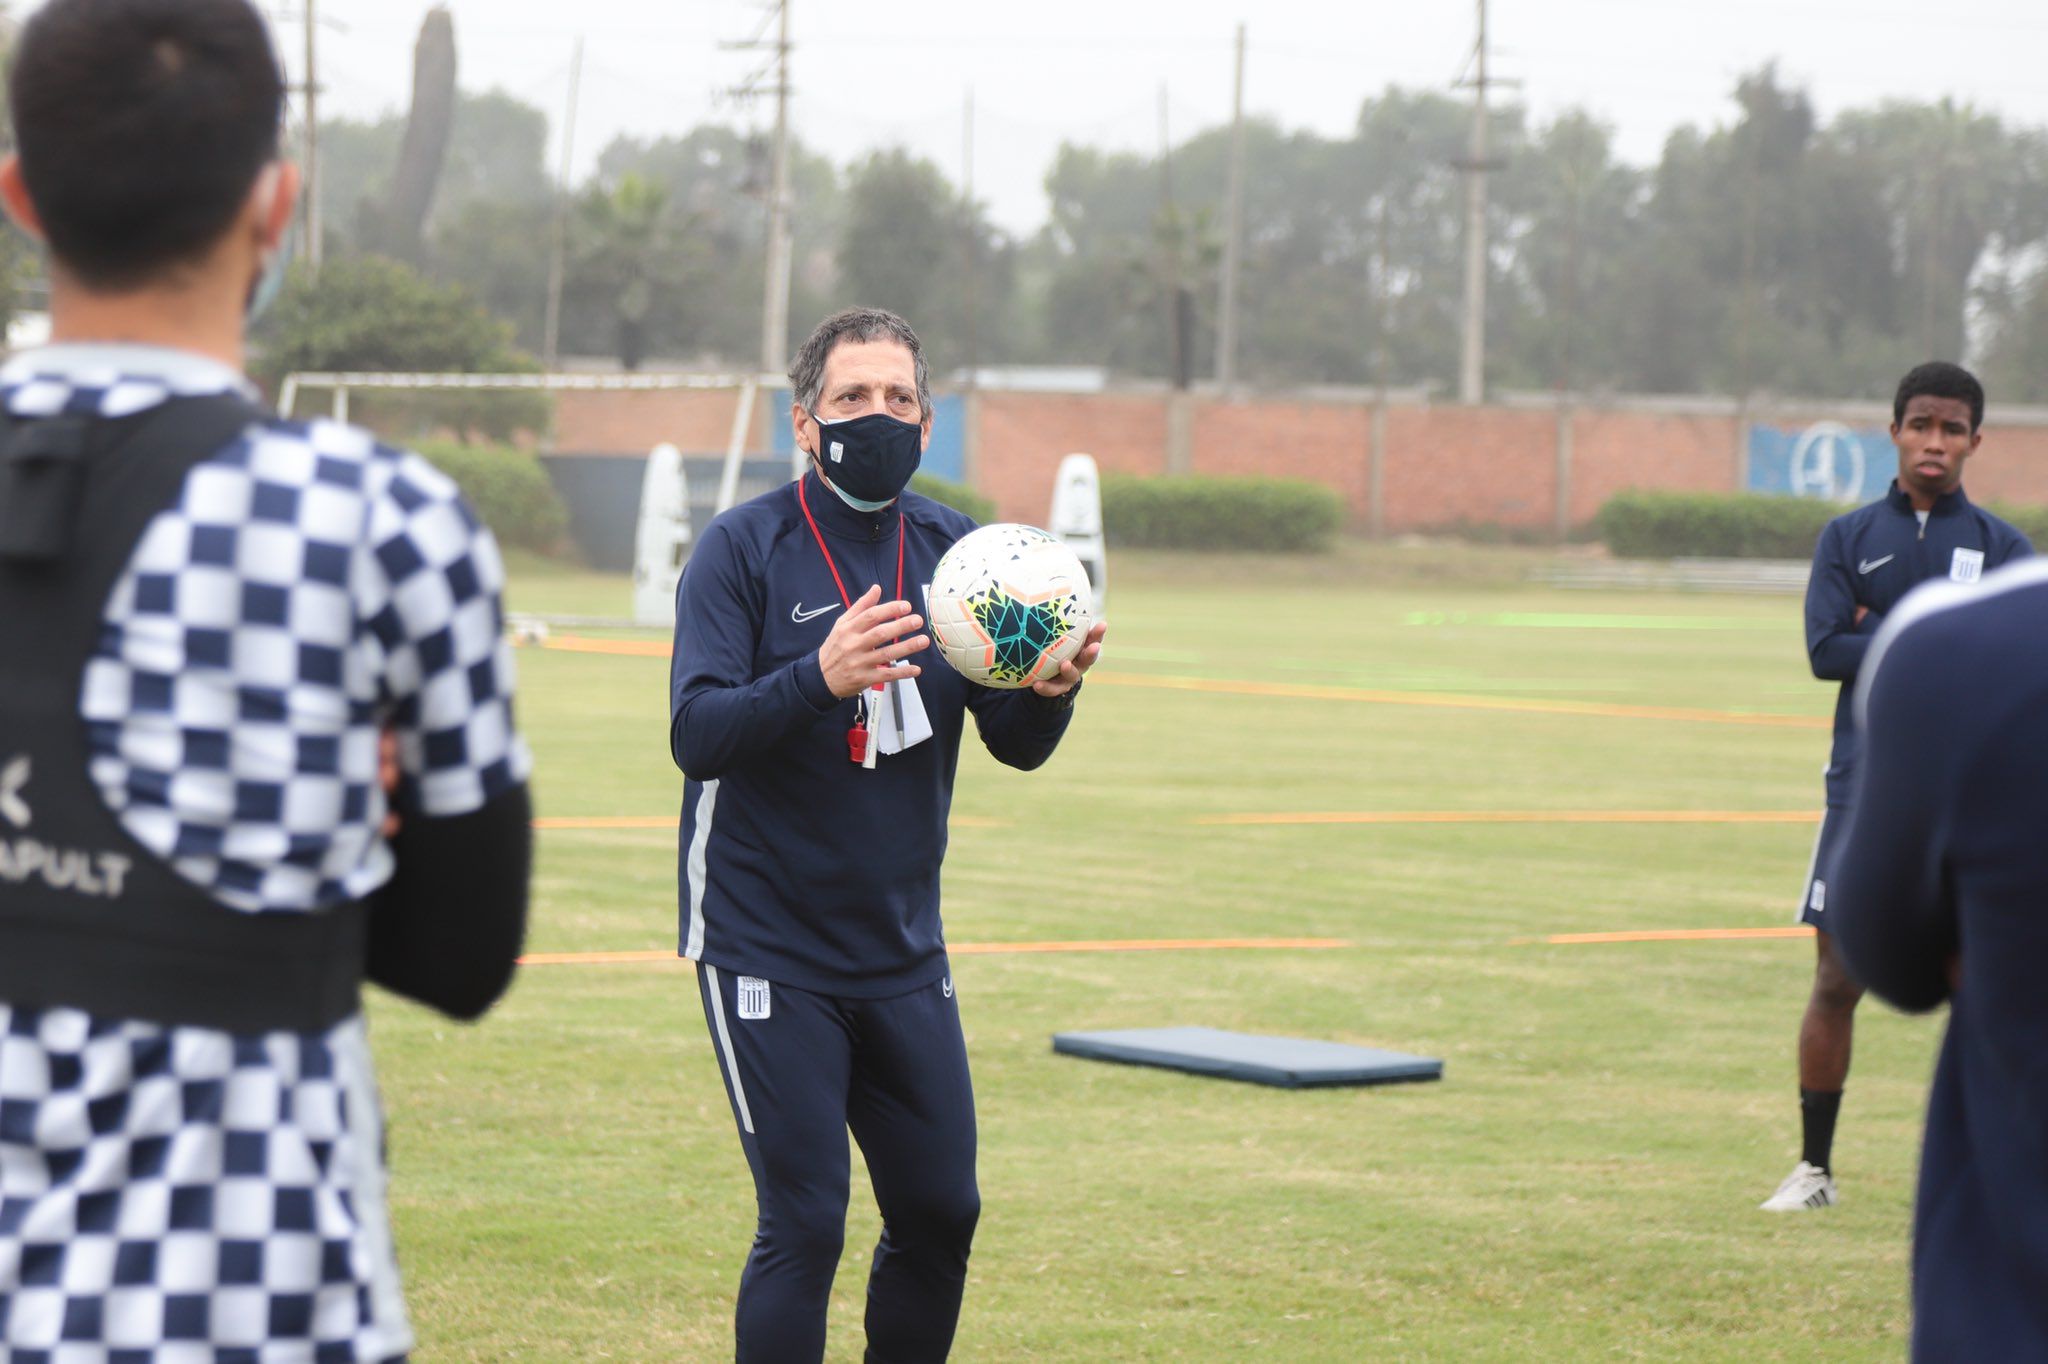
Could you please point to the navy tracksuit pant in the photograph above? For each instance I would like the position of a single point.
(801, 1069)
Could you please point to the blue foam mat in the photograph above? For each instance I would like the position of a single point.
(1289, 1062)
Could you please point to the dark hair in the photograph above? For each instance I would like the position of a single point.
(807, 371)
(1940, 379)
(142, 125)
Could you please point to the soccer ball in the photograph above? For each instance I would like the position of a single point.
(1008, 605)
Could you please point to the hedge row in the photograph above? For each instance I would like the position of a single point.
(2031, 521)
(958, 496)
(1637, 525)
(509, 489)
(1187, 512)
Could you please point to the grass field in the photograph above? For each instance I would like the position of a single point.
(1581, 1185)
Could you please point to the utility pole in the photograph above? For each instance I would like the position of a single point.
(774, 356)
(312, 187)
(1233, 241)
(973, 247)
(551, 332)
(1472, 365)
(775, 296)
(775, 273)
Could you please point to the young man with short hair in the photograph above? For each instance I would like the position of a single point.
(227, 628)
(1866, 561)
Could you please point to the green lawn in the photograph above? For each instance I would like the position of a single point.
(1581, 1185)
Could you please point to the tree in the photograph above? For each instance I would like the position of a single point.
(2015, 364)
(1956, 185)
(373, 313)
(715, 185)
(420, 155)
(907, 244)
(632, 269)
(496, 156)
(1571, 217)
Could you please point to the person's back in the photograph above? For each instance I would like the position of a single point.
(219, 621)
(1946, 877)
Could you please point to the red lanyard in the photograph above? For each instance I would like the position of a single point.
(837, 581)
(857, 737)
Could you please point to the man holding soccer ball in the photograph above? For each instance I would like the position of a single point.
(819, 761)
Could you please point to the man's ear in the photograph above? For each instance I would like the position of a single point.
(14, 197)
(797, 418)
(272, 200)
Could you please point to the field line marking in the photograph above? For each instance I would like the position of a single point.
(597, 958)
(606, 822)
(1519, 817)
(1455, 701)
(670, 822)
(583, 644)
(1676, 935)
(972, 949)
(654, 648)
(976, 949)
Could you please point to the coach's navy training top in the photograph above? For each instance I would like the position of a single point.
(1872, 557)
(798, 865)
(1946, 853)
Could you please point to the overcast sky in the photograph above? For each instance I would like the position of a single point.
(899, 72)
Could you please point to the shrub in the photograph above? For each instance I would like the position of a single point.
(958, 496)
(2031, 522)
(1639, 525)
(509, 490)
(1186, 512)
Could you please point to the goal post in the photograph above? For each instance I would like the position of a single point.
(748, 387)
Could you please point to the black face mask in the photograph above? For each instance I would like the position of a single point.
(869, 459)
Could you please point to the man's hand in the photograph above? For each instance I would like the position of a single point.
(859, 652)
(1861, 612)
(1069, 675)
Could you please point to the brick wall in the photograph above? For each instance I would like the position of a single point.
(1613, 451)
(694, 420)
(1441, 466)
(1024, 436)
(2011, 465)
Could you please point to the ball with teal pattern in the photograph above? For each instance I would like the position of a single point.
(1009, 604)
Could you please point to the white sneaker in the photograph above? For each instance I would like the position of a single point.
(1807, 1187)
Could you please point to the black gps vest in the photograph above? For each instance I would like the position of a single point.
(89, 918)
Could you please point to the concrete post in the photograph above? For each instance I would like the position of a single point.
(1180, 432)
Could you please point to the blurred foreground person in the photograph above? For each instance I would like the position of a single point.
(1865, 563)
(216, 623)
(1944, 879)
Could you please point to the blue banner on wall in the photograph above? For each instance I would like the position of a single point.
(1825, 460)
(943, 458)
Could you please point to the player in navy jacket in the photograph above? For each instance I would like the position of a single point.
(1943, 878)
(1867, 560)
(810, 880)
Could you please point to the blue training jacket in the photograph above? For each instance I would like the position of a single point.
(1945, 854)
(1872, 557)
(798, 865)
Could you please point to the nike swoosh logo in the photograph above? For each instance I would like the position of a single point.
(1872, 565)
(799, 615)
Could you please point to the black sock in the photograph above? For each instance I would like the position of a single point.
(1817, 1112)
